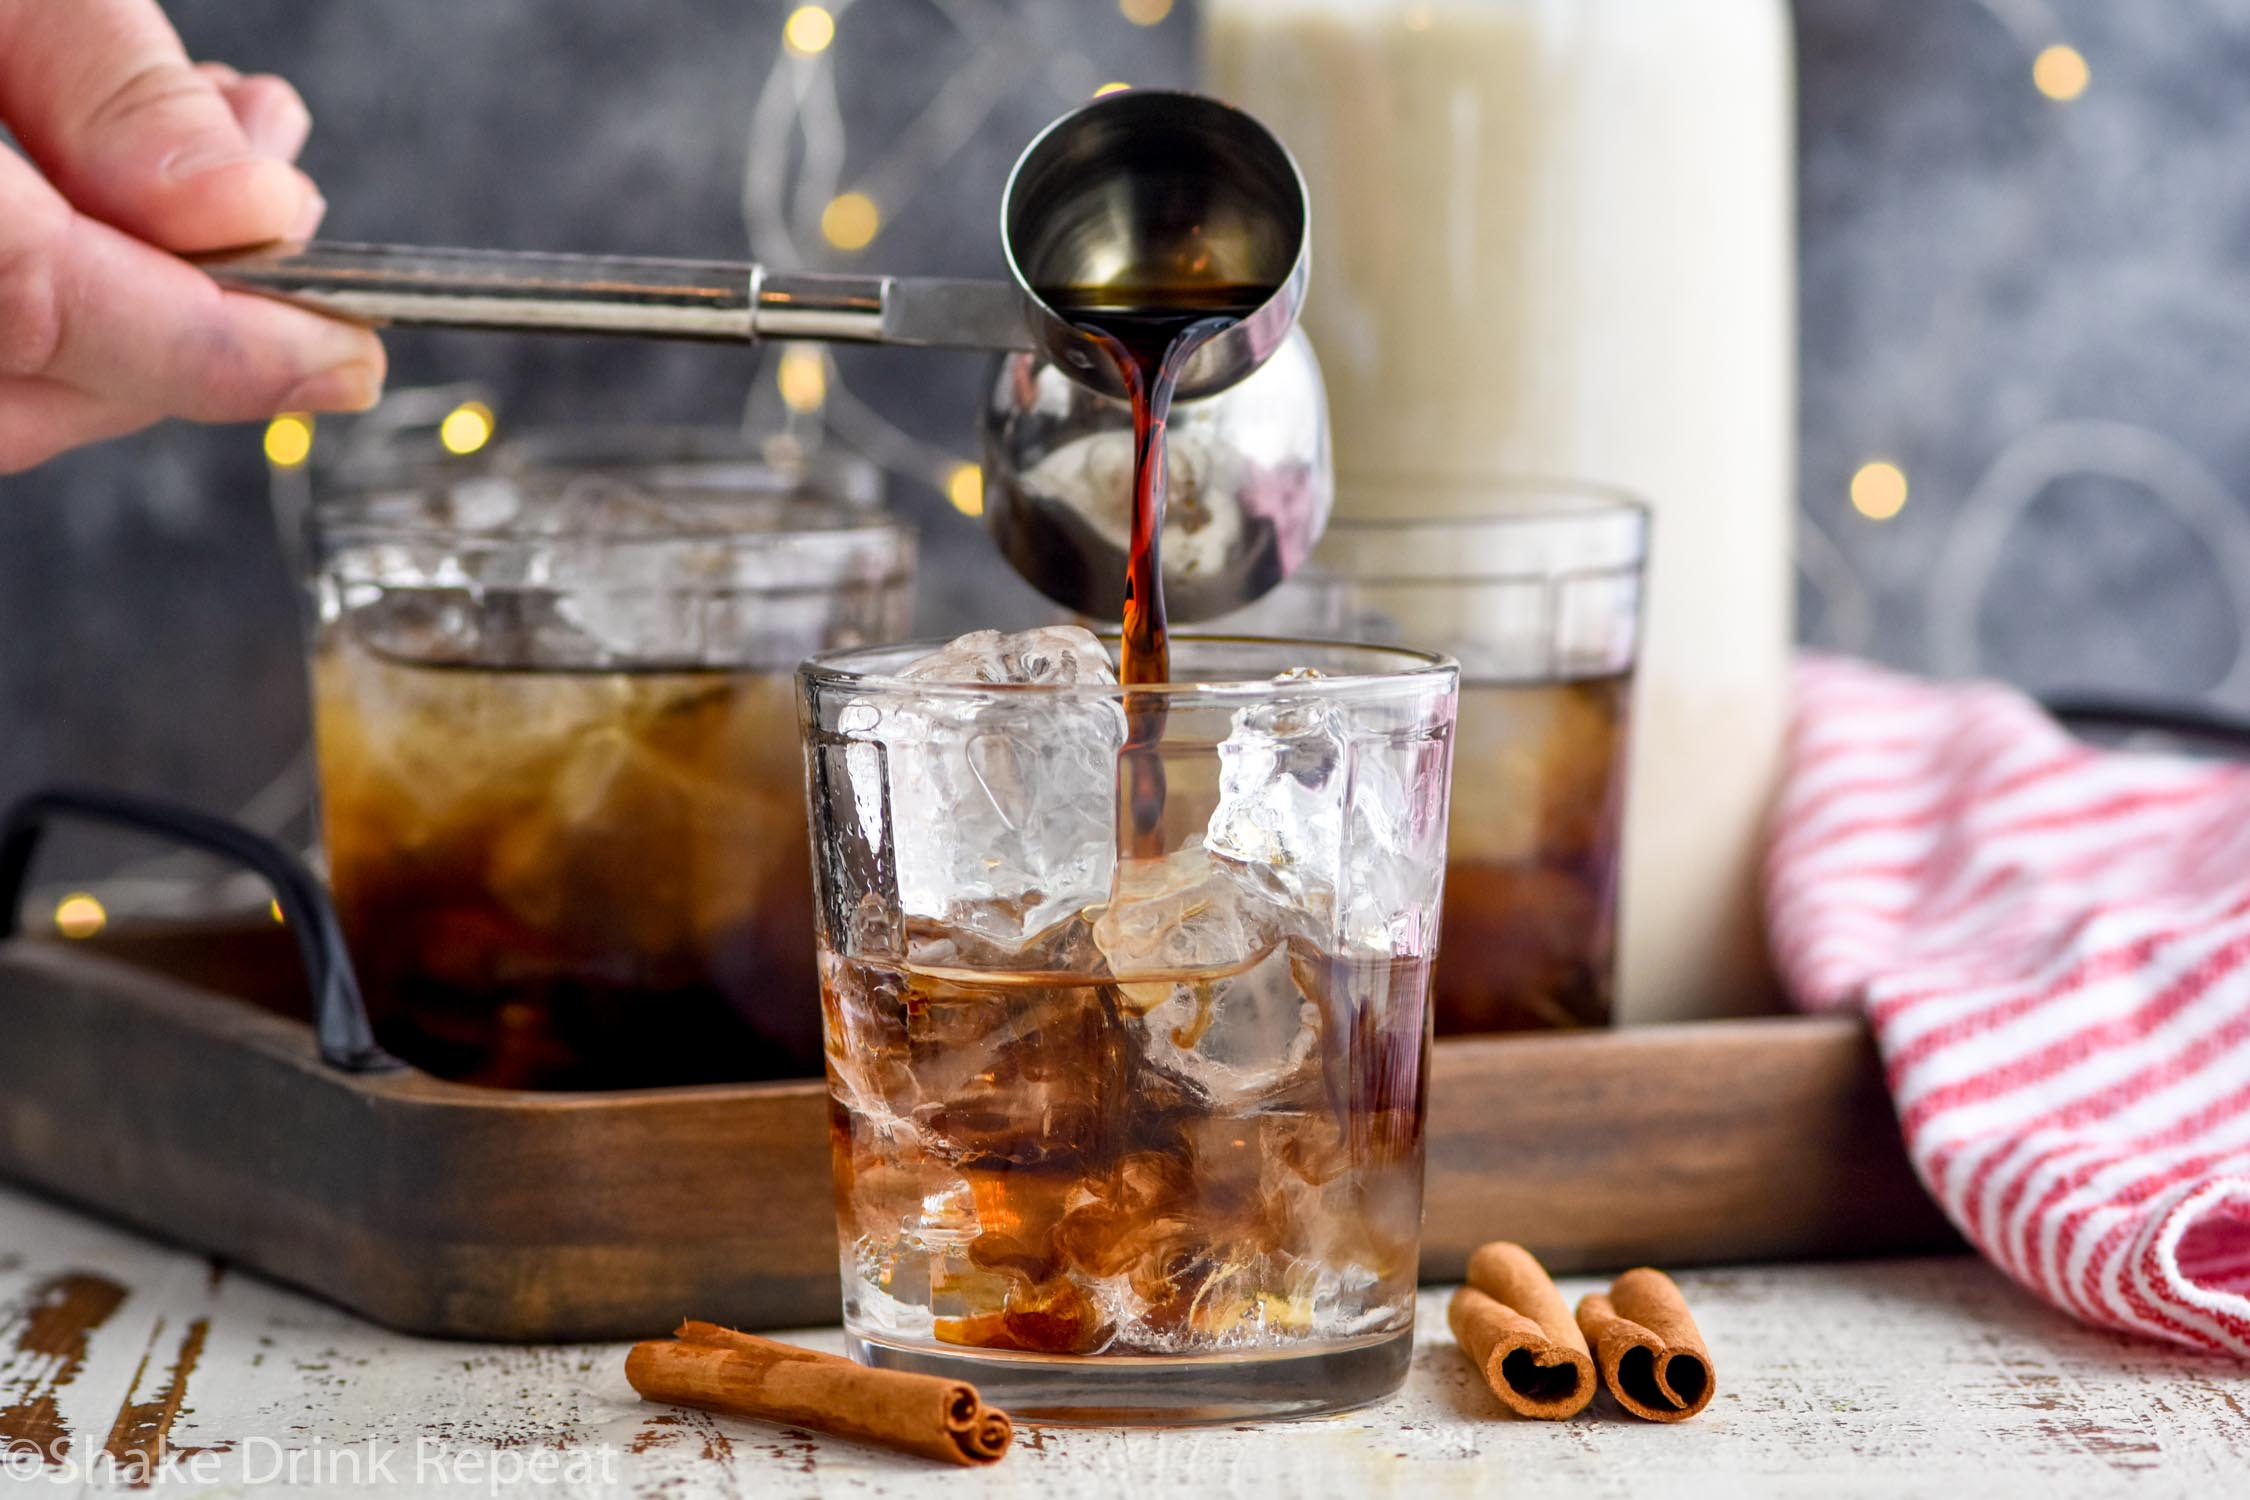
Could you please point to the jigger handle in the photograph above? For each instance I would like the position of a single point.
(682, 299)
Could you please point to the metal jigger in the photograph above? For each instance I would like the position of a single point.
(1142, 192)
(1137, 189)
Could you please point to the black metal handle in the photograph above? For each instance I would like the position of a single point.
(2187, 720)
(339, 1014)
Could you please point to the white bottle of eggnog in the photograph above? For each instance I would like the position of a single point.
(1556, 238)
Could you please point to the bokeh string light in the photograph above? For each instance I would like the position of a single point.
(1878, 490)
(289, 439)
(80, 915)
(964, 488)
(801, 375)
(850, 221)
(466, 428)
(2060, 72)
(809, 30)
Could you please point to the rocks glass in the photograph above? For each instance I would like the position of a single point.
(1125, 994)
(561, 790)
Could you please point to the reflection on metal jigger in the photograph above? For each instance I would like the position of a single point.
(1251, 485)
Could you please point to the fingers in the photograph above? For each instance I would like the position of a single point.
(39, 419)
(269, 109)
(86, 307)
(101, 95)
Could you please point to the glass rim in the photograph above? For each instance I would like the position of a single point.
(1549, 531)
(1558, 499)
(1416, 666)
(696, 455)
(354, 520)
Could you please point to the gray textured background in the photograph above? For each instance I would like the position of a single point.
(2041, 311)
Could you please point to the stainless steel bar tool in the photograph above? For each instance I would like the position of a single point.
(1136, 192)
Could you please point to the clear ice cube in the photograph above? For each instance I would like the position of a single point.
(1331, 820)
(1051, 655)
(1243, 1041)
(1182, 912)
(1217, 1000)
(1284, 783)
(1004, 807)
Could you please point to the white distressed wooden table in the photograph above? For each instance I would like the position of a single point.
(1885, 1379)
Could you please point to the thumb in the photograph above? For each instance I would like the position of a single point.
(103, 98)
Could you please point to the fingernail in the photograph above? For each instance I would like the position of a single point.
(352, 386)
(308, 218)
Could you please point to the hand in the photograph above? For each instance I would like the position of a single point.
(134, 153)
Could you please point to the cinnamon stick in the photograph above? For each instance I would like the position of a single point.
(1516, 1329)
(742, 1375)
(1652, 1355)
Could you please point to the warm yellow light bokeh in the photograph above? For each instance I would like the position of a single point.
(802, 376)
(850, 220)
(79, 915)
(274, 906)
(809, 30)
(1879, 490)
(1145, 12)
(965, 488)
(466, 428)
(1111, 88)
(289, 439)
(2060, 72)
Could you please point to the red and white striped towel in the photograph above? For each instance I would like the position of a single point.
(2052, 944)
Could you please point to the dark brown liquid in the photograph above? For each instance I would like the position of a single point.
(1149, 334)
(1093, 1144)
(1530, 920)
(570, 880)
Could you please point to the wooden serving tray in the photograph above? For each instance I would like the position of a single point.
(168, 1081)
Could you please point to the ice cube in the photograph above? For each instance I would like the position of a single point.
(631, 570)
(1004, 807)
(1052, 655)
(1203, 970)
(893, 1192)
(1336, 821)
(1181, 913)
(1284, 780)
(1243, 1040)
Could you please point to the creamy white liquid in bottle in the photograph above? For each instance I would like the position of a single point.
(1556, 237)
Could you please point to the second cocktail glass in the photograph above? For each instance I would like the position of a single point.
(561, 790)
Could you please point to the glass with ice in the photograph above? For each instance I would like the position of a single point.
(1127, 1089)
(561, 789)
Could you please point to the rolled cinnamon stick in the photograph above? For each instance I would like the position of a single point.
(742, 1375)
(1516, 1329)
(1652, 1355)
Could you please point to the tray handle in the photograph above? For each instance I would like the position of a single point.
(2186, 719)
(339, 1013)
